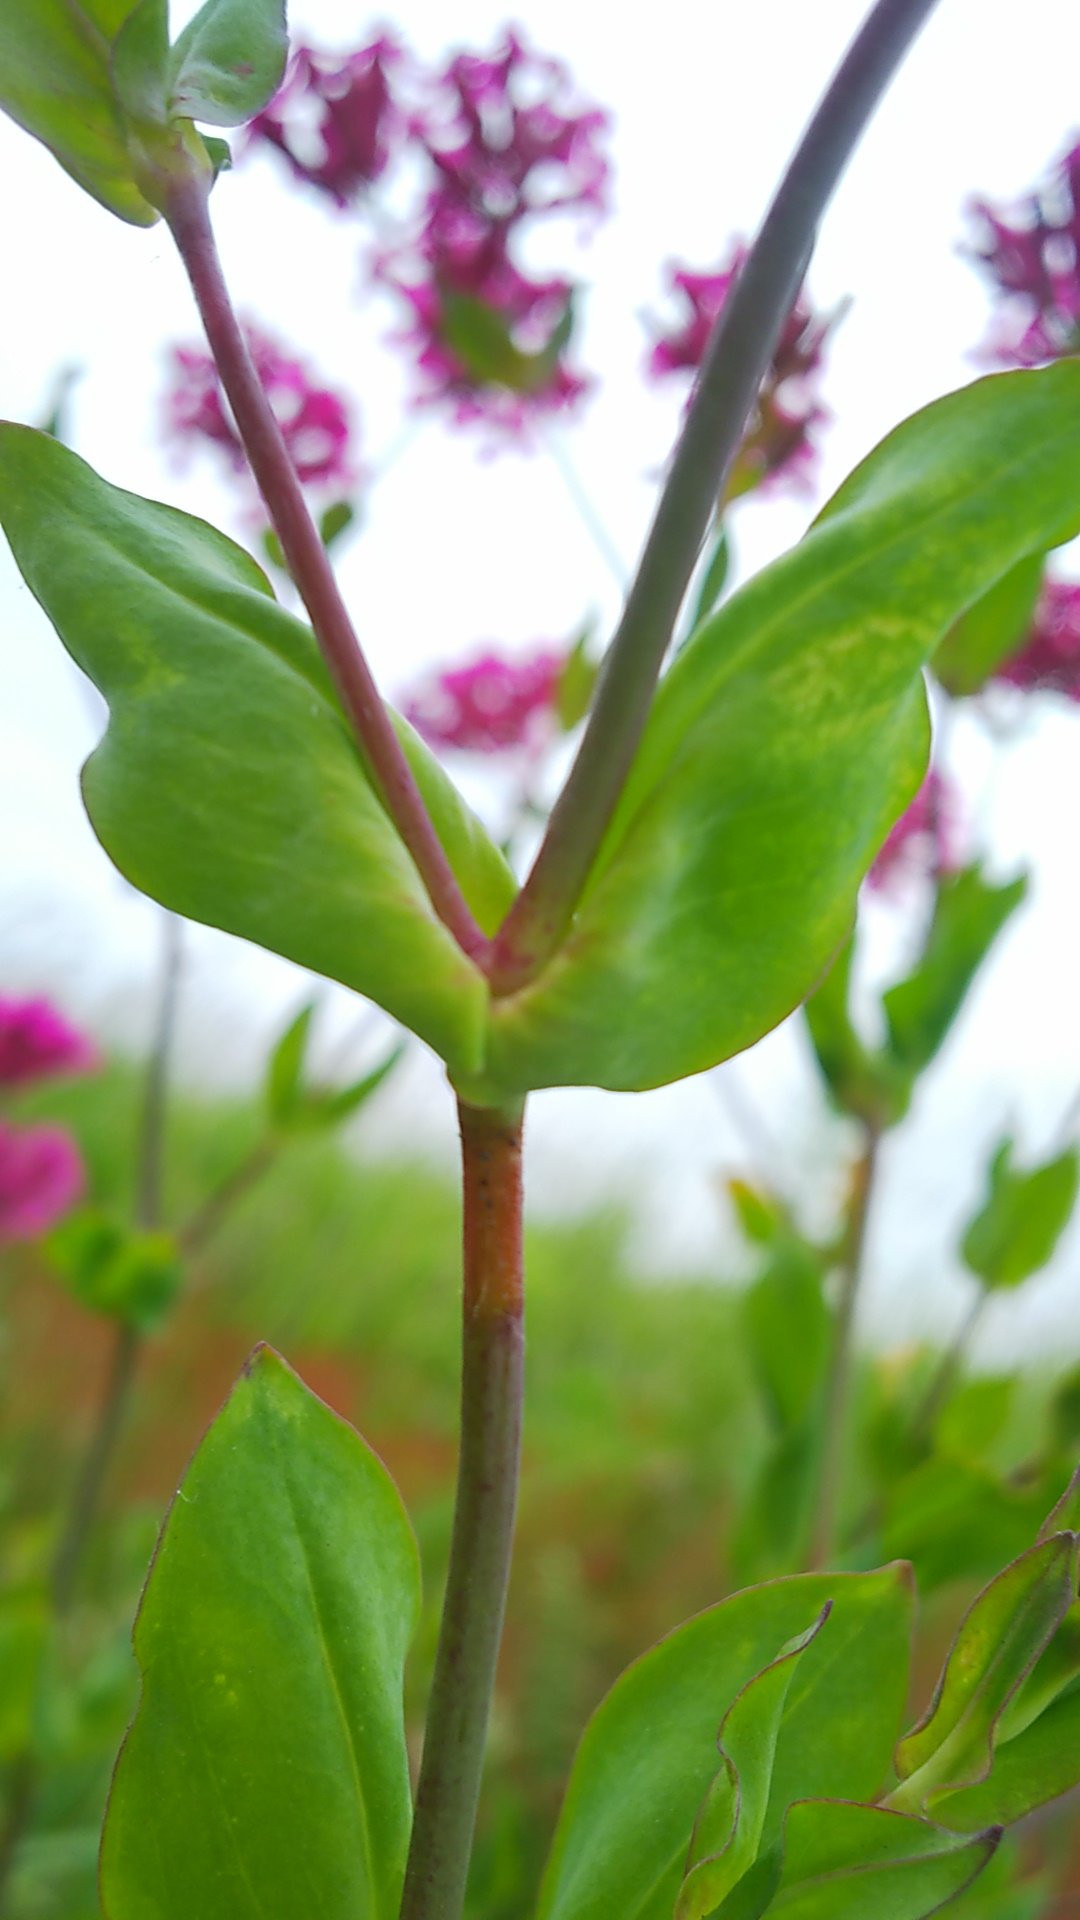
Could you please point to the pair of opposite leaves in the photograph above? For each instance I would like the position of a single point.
(266, 1771)
(783, 742)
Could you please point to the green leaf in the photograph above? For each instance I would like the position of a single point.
(1033, 1768)
(997, 1644)
(480, 338)
(285, 1071)
(848, 1862)
(116, 1270)
(227, 785)
(788, 1330)
(336, 520)
(229, 61)
(577, 683)
(649, 1753)
(729, 1827)
(968, 916)
(957, 1520)
(713, 578)
(56, 81)
(785, 740)
(1022, 1219)
(990, 631)
(266, 1770)
(140, 60)
(328, 1107)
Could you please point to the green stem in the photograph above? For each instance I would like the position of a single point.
(944, 1379)
(838, 1377)
(742, 346)
(188, 215)
(208, 1218)
(491, 1401)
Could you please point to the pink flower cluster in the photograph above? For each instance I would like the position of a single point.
(334, 118)
(41, 1172)
(502, 143)
(779, 442)
(1032, 254)
(506, 146)
(491, 705)
(1050, 657)
(925, 839)
(314, 421)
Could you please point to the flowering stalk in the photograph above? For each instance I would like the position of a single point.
(838, 1377)
(187, 212)
(742, 348)
(491, 1401)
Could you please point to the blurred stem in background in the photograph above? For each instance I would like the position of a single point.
(838, 1376)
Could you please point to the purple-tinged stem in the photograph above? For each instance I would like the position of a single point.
(491, 1402)
(742, 346)
(187, 211)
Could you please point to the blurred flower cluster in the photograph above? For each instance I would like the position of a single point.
(926, 838)
(1031, 252)
(490, 705)
(778, 446)
(41, 1171)
(315, 421)
(1049, 659)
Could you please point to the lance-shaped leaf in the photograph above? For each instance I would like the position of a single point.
(785, 740)
(294, 1105)
(990, 631)
(56, 81)
(728, 1830)
(228, 61)
(998, 1642)
(1029, 1770)
(227, 785)
(848, 1862)
(787, 1326)
(859, 1080)
(266, 1770)
(649, 1753)
(1023, 1217)
(969, 914)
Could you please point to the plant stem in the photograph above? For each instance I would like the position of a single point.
(944, 1378)
(206, 1220)
(188, 215)
(585, 508)
(491, 1398)
(86, 1496)
(838, 1378)
(741, 348)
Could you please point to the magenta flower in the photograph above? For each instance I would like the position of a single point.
(37, 1042)
(1031, 253)
(1050, 656)
(41, 1178)
(334, 118)
(491, 705)
(778, 446)
(314, 421)
(925, 839)
(507, 147)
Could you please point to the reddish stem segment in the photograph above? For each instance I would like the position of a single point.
(187, 213)
(491, 1400)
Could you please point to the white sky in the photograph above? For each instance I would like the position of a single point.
(459, 550)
